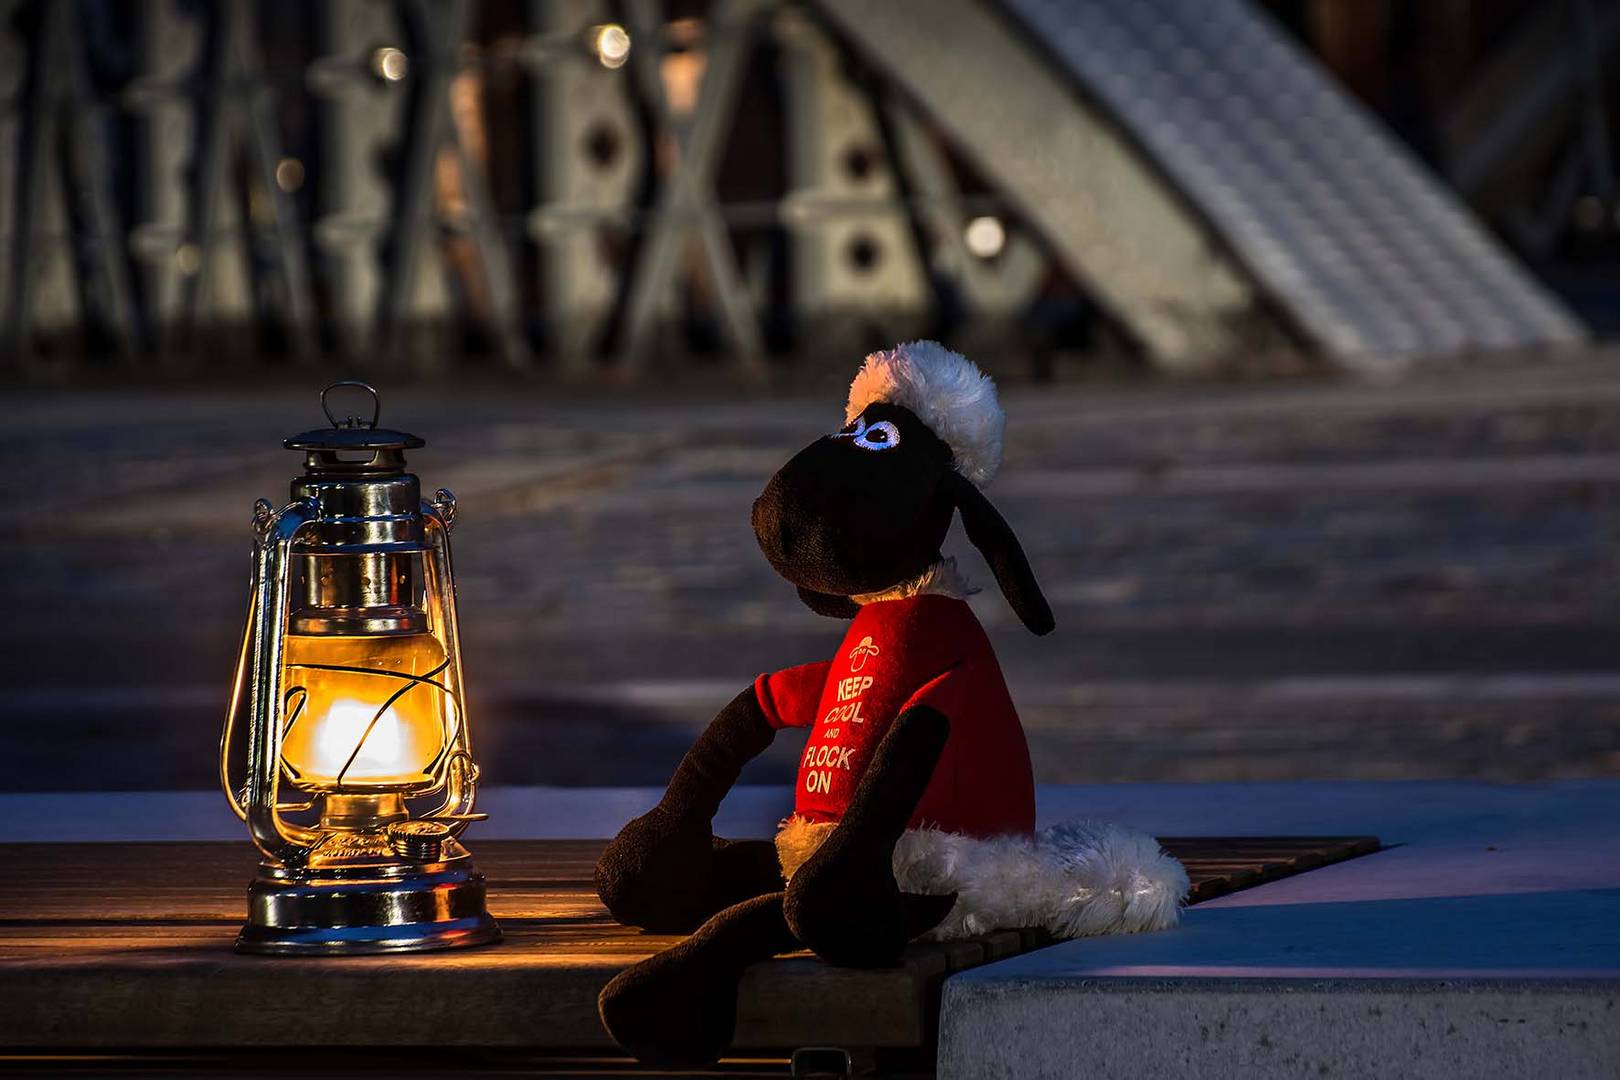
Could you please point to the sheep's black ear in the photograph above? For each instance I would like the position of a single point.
(991, 534)
(835, 607)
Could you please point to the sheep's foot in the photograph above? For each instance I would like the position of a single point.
(678, 1009)
(843, 903)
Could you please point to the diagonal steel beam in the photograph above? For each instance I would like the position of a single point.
(237, 105)
(1505, 108)
(1001, 287)
(264, 140)
(426, 127)
(686, 202)
(63, 116)
(439, 27)
(1110, 219)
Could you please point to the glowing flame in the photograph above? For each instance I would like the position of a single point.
(344, 728)
(344, 682)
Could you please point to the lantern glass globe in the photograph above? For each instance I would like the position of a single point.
(365, 714)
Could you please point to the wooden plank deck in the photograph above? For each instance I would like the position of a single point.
(129, 947)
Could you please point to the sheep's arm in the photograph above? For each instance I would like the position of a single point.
(666, 871)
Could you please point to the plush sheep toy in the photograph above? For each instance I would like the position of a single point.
(915, 807)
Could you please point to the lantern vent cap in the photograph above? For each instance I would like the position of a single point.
(353, 432)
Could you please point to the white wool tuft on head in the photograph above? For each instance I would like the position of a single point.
(948, 393)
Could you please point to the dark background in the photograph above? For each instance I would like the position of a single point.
(1274, 570)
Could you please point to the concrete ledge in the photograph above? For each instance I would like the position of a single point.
(1264, 1028)
(1482, 944)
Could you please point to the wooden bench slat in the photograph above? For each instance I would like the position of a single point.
(131, 946)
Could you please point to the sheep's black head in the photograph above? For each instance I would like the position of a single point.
(860, 510)
(868, 507)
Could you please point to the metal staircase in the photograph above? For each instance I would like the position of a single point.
(1195, 154)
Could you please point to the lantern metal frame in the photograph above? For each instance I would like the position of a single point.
(372, 877)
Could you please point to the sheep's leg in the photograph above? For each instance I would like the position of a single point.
(678, 1009)
(843, 903)
(666, 871)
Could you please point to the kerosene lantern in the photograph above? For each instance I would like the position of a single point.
(359, 774)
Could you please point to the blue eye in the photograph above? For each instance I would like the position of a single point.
(882, 435)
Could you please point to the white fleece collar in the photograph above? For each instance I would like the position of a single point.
(941, 579)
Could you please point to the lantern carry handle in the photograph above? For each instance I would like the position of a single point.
(353, 421)
(461, 772)
(264, 514)
(233, 790)
(238, 687)
(279, 840)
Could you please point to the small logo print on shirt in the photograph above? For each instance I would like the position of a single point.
(858, 655)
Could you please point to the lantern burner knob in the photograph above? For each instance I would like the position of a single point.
(419, 841)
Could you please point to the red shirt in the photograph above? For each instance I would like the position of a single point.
(922, 650)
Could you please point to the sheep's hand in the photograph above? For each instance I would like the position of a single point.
(665, 871)
(653, 875)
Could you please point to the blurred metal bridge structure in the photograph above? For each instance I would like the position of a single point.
(578, 184)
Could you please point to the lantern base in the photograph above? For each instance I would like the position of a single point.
(343, 912)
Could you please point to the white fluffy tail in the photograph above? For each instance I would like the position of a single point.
(1077, 879)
